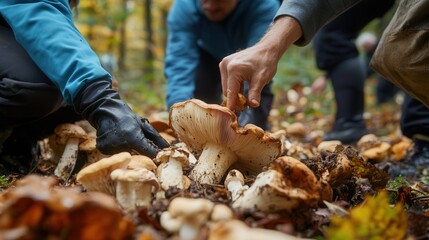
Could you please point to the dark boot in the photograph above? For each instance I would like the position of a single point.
(347, 131)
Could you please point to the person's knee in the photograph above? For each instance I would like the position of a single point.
(26, 102)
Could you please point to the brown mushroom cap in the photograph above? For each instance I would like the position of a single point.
(96, 177)
(135, 175)
(141, 161)
(197, 123)
(67, 130)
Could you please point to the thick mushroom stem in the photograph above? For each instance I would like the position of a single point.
(143, 194)
(134, 187)
(170, 171)
(68, 159)
(213, 163)
(125, 194)
(171, 174)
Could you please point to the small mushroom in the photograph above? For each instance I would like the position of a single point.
(235, 229)
(328, 146)
(234, 182)
(190, 214)
(70, 135)
(400, 147)
(134, 187)
(170, 171)
(213, 130)
(221, 212)
(373, 148)
(96, 176)
(296, 130)
(286, 185)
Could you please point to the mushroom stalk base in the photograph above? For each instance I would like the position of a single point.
(67, 161)
(213, 164)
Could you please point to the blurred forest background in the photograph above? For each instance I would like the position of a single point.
(133, 34)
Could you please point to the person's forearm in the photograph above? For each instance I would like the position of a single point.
(282, 34)
(313, 14)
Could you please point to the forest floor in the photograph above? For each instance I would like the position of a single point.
(29, 209)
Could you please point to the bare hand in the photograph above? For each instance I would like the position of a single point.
(254, 65)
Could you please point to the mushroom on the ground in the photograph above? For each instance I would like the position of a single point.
(38, 207)
(213, 130)
(296, 130)
(134, 187)
(286, 185)
(186, 216)
(221, 212)
(235, 229)
(400, 147)
(96, 176)
(328, 146)
(373, 148)
(70, 135)
(234, 182)
(170, 171)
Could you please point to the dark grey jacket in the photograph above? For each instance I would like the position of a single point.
(313, 14)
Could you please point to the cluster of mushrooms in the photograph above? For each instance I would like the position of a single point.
(209, 147)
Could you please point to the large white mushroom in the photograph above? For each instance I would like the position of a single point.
(213, 130)
(286, 185)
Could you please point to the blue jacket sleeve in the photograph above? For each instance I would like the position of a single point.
(45, 29)
(181, 55)
(313, 14)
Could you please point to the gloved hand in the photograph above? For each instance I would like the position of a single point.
(118, 128)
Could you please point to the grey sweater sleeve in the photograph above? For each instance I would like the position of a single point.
(313, 14)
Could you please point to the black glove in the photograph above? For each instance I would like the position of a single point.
(118, 128)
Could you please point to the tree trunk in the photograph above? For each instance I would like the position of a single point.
(148, 54)
(123, 38)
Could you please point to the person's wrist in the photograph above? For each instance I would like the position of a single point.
(282, 34)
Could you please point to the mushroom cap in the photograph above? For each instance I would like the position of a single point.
(236, 229)
(232, 175)
(296, 129)
(328, 146)
(377, 153)
(192, 209)
(197, 123)
(175, 153)
(135, 175)
(67, 130)
(96, 176)
(141, 161)
(88, 145)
